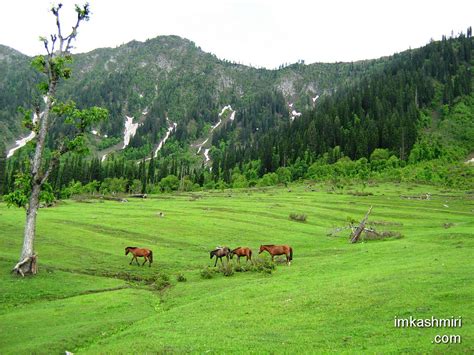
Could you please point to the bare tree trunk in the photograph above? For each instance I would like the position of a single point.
(54, 71)
(27, 262)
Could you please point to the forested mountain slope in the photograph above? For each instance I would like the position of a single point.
(318, 121)
(166, 77)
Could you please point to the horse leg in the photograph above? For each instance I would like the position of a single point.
(215, 264)
(136, 259)
(146, 259)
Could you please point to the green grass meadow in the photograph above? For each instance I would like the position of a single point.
(335, 297)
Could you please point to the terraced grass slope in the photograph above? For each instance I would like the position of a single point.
(335, 296)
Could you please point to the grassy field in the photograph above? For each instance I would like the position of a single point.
(335, 297)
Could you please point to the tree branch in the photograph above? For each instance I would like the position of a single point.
(54, 161)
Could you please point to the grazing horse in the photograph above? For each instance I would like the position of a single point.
(278, 250)
(247, 252)
(219, 252)
(142, 252)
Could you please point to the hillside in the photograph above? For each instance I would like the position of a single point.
(167, 77)
(166, 97)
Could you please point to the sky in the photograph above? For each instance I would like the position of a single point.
(262, 33)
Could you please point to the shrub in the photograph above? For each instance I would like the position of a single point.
(227, 269)
(161, 282)
(373, 235)
(264, 266)
(207, 273)
(298, 217)
(181, 278)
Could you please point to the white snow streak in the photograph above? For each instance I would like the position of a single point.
(228, 107)
(200, 145)
(295, 114)
(130, 130)
(22, 141)
(171, 128)
(315, 98)
(216, 125)
(206, 154)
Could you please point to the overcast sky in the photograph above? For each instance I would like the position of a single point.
(262, 33)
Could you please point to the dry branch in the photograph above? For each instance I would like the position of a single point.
(356, 234)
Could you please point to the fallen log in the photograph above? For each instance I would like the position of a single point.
(358, 231)
(138, 195)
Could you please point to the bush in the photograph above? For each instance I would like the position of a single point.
(181, 278)
(264, 266)
(169, 183)
(298, 217)
(161, 282)
(373, 235)
(207, 273)
(226, 269)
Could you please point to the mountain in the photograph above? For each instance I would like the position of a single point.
(178, 111)
(166, 77)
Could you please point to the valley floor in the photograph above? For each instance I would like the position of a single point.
(335, 297)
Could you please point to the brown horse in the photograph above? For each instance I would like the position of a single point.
(219, 252)
(247, 252)
(141, 252)
(278, 250)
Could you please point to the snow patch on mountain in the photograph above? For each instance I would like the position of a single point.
(315, 98)
(216, 125)
(294, 114)
(171, 127)
(224, 109)
(206, 154)
(200, 145)
(130, 131)
(20, 143)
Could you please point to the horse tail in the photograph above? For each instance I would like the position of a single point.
(291, 253)
(150, 257)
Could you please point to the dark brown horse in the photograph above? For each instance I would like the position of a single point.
(141, 252)
(219, 252)
(278, 250)
(240, 251)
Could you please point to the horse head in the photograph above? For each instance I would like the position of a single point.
(127, 250)
(262, 249)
